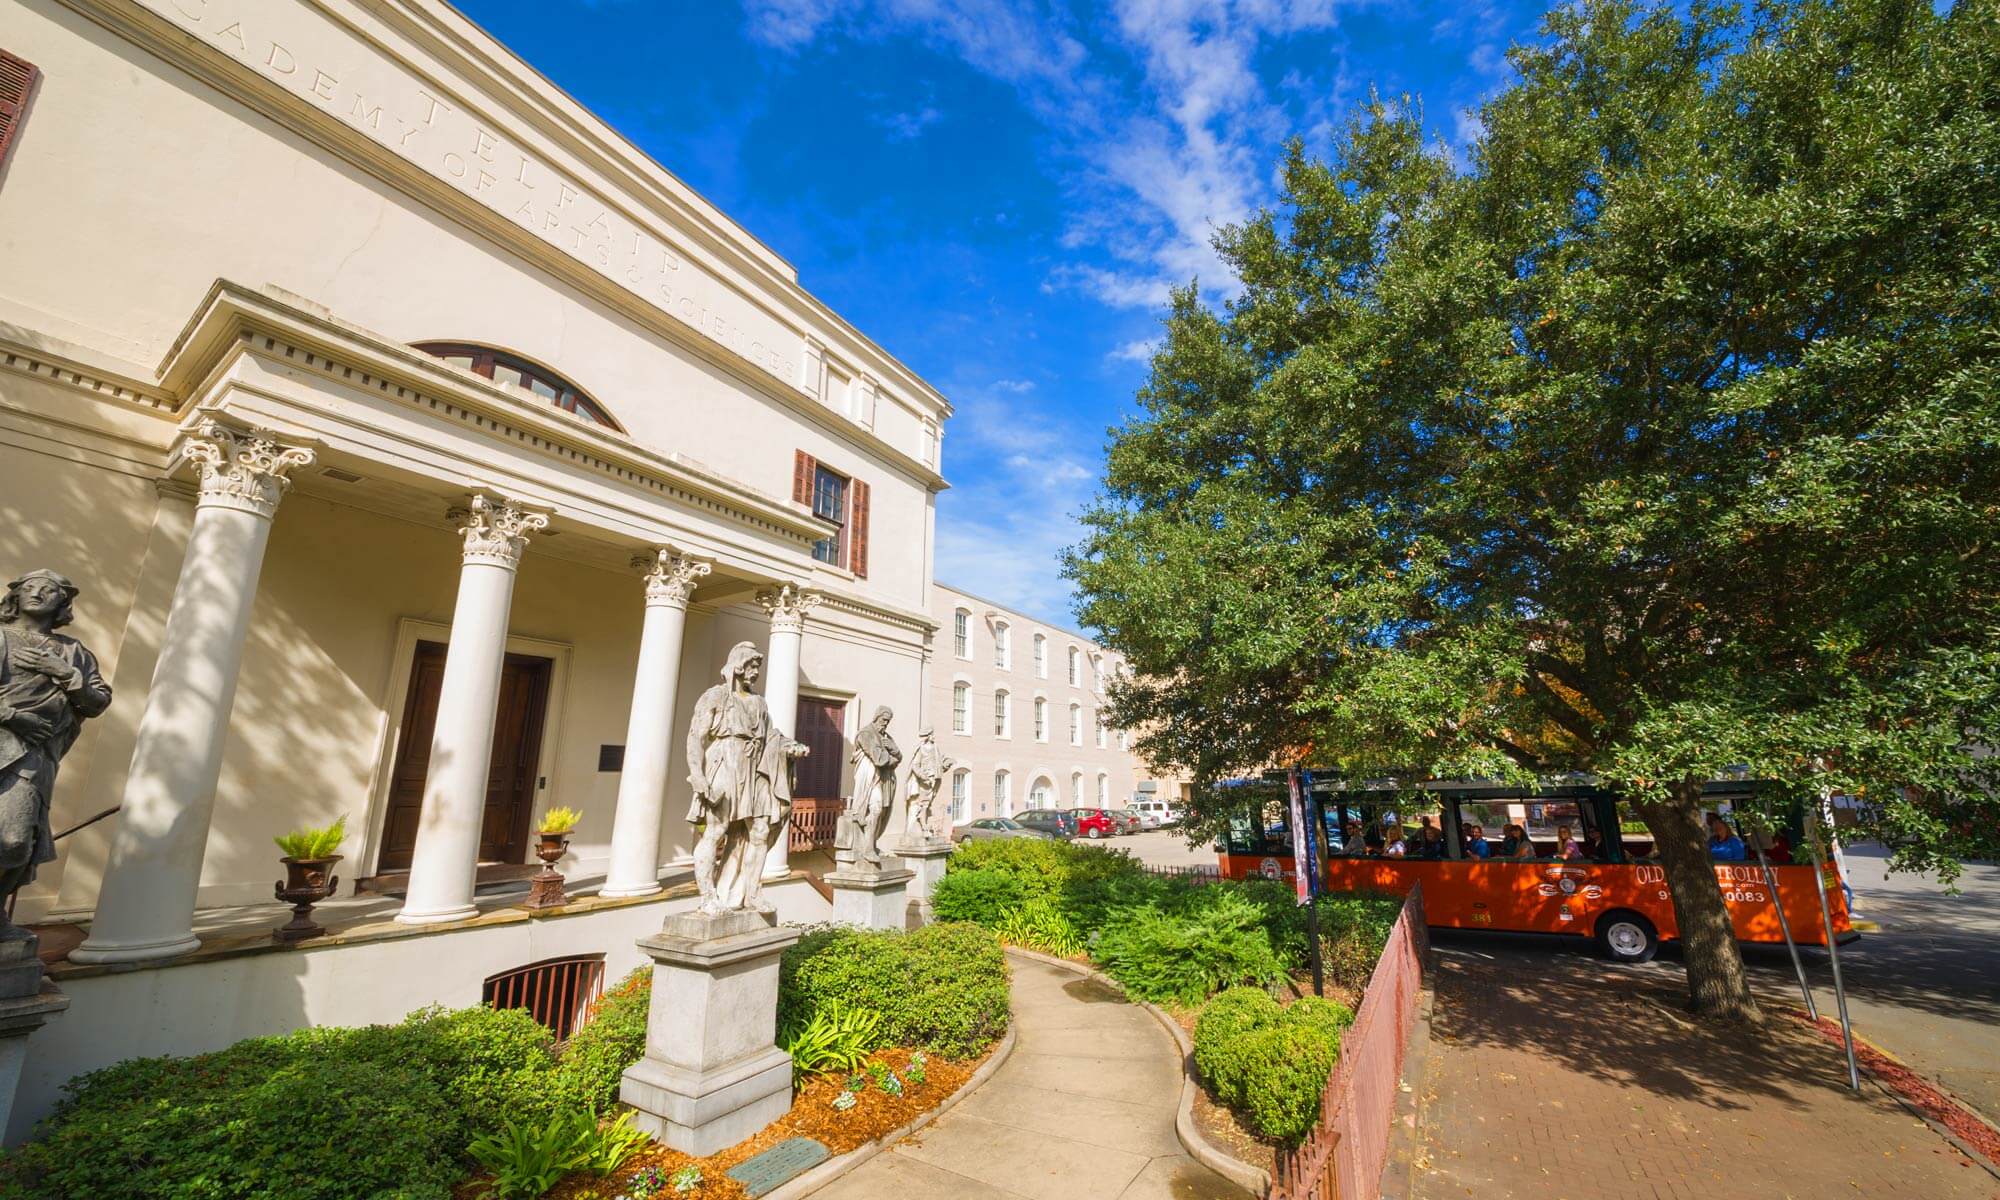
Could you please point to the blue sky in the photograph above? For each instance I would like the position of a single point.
(1000, 192)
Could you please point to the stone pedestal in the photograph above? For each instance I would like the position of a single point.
(877, 899)
(926, 860)
(712, 1074)
(27, 1001)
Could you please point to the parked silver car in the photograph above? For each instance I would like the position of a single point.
(995, 827)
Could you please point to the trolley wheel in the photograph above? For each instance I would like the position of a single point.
(1096, 832)
(1627, 937)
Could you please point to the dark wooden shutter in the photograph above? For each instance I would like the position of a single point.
(17, 80)
(819, 724)
(857, 557)
(802, 477)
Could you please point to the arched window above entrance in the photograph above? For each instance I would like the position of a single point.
(511, 370)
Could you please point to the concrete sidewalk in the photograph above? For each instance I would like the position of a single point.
(1559, 1076)
(1084, 1109)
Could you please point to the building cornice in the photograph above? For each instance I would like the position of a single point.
(233, 320)
(530, 112)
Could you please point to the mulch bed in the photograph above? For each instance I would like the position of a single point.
(1916, 1091)
(875, 1113)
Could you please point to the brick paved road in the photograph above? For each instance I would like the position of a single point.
(1556, 1076)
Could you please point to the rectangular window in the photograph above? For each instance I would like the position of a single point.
(961, 708)
(999, 714)
(1041, 720)
(1002, 646)
(1101, 729)
(961, 634)
(1075, 668)
(959, 800)
(1041, 657)
(829, 503)
(1075, 725)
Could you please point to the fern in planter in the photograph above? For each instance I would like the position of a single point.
(313, 843)
(559, 820)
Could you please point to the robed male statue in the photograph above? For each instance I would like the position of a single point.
(876, 758)
(740, 765)
(928, 767)
(49, 685)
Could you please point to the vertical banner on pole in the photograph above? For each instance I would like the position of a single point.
(1303, 857)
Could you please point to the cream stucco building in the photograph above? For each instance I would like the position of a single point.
(1020, 705)
(420, 449)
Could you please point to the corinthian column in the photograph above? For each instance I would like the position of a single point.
(445, 861)
(145, 910)
(642, 789)
(788, 607)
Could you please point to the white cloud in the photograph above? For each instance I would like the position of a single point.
(1170, 126)
(1016, 386)
(903, 126)
(1140, 350)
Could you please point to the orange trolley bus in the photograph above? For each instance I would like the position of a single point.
(1614, 894)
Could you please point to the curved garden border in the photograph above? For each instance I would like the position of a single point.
(1255, 1180)
(834, 1168)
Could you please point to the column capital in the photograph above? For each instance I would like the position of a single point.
(670, 576)
(243, 469)
(788, 606)
(496, 530)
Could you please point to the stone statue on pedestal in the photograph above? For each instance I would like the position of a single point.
(876, 758)
(928, 768)
(49, 685)
(740, 765)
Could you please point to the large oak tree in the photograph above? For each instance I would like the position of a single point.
(1658, 439)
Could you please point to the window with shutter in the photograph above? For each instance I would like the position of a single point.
(17, 83)
(857, 557)
(803, 466)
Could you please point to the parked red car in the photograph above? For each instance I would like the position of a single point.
(1095, 823)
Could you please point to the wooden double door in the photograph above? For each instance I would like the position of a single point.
(511, 779)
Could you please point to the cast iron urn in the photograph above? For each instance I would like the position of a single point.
(307, 882)
(545, 887)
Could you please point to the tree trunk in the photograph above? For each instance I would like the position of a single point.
(1717, 985)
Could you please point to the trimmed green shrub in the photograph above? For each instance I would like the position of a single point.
(1223, 1021)
(228, 1125)
(612, 1038)
(1183, 958)
(981, 896)
(1044, 867)
(1284, 1069)
(942, 988)
(1269, 1063)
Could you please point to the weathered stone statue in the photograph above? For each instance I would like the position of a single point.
(928, 768)
(740, 765)
(876, 758)
(49, 685)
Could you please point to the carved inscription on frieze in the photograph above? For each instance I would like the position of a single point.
(359, 85)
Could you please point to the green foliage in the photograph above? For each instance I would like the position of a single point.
(979, 896)
(314, 842)
(1044, 867)
(605, 1148)
(1223, 1022)
(1182, 958)
(1039, 925)
(612, 1039)
(253, 1124)
(1653, 439)
(1284, 1069)
(528, 1158)
(942, 988)
(1269, 1063)
(836, 1037)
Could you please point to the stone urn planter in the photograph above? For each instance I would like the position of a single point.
(307, 881)
(545, 887)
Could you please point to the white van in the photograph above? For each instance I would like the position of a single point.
(1154, 812)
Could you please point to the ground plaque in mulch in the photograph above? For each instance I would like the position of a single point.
(790, 1158)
